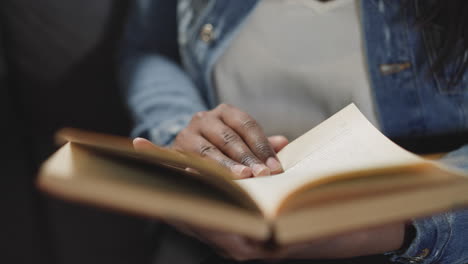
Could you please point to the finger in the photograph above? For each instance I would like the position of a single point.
(358, 243)
(228, 244)
(278, 142)
(140, 144)
(235, 246)
(195, 143)
(190, 170)
(183, 227)
(252, 134)
(232, 145)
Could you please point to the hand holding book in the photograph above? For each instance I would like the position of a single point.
(233, 139)
(369, 241)
(224, 145)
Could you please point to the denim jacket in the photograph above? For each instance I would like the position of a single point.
(166, 73)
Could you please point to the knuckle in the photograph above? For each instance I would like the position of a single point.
(226, 163)
(199, 115)
(247, 159)
(206, 149)
(263, 149)
(224, 106)
(249, 123)
(229, 137)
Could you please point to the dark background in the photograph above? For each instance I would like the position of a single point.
(58, 68)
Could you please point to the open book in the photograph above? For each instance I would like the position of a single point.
(340, 176)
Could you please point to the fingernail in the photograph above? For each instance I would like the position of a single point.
(191, 170)
(273, 164)
(241, 171)
(260, 170)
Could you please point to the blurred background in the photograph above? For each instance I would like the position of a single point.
(58, 68)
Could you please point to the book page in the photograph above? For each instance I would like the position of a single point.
(81, 174)
(345, 142)
(209, 171)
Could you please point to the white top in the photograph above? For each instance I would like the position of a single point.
(294, 63)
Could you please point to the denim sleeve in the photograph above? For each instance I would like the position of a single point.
(443, 238)
(160, 96)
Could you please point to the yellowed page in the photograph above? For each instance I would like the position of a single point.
(345, 142)
(210, 171)
(79, 174)
(306, 225)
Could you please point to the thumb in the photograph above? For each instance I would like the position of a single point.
(278, 142)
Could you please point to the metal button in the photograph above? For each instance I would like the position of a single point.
(387, 69)
(420, 257)
(424, 253)
(207, 33)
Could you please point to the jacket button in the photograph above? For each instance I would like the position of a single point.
(206, 33)
(387, 69)
(424, 253)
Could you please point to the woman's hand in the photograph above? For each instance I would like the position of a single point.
(226, 244)
(370, 241)
(234, 139)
